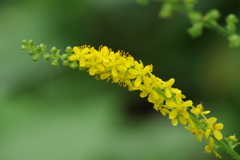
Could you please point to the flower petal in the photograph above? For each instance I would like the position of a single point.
(171, 104)
(143, 94)
(173, 114)
(185, 114)
(219, 126)
(138, 81)
(114, 72)
(175, 122)
(178, 99)
(182, 120)
(168, 93)
(217, 134)
(187, 103)
(147, 81)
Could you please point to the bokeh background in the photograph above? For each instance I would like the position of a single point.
(49, 113)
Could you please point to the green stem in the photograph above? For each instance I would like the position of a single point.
(214, 26)
(219, 142)
(227, 148)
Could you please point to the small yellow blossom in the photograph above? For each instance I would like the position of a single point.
(233, 137)
(199, 110)
(197, 132)
(179, 111)
(147, 88)
(212, 148)
(214, 128)
(139, 72)
(168, 86)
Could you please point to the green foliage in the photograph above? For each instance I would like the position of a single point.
(199, 22)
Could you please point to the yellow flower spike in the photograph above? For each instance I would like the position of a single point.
(121, 68)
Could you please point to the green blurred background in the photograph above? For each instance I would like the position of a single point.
(49, 113)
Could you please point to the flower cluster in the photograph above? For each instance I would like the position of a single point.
(121, 68)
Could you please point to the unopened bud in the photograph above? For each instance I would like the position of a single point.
(35, 58)
(74, 65)
(54, 62)
(69, 49)
(47, 56)
(65, 63)
(23, 47)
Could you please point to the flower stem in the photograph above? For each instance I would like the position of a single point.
(227, 148)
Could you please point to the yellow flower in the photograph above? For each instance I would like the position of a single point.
(116, 64)
(81, 54)
(147, 88)
(199, 110)
(178, 110)
(233, 137)
(168, 86)
(214, 128)
(159, 107)
(139, 72)
(197, 132)
(212, 148)
(194, 129)
(95, 65)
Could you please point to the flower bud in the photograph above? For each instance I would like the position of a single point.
(35, 58)
(38, 48)
(24, 42)
(54, 50)
(212, 15)
(74, 65)
(195, 16)
(64, 57)
(43, 47)
(69, 49)
(54, 62)
(234, 40)
(196, 29)
(47, 56)
(30, 43)
(23, 47)
(231, 18)
(65, 63)
(166, 10)
(31, 51)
